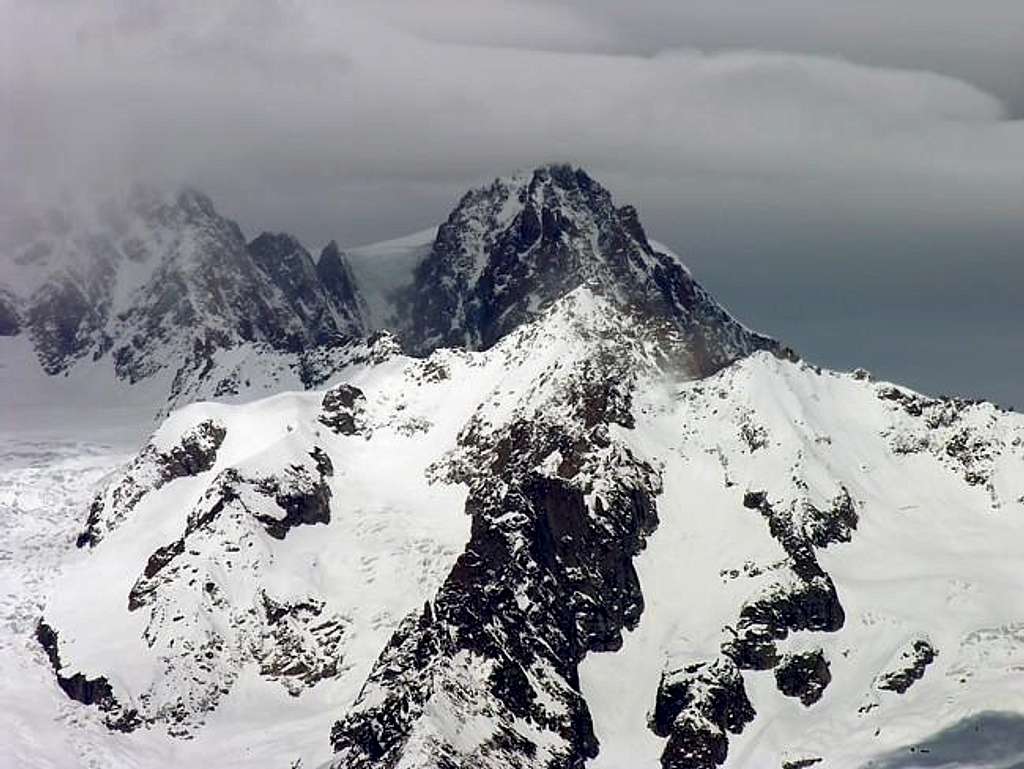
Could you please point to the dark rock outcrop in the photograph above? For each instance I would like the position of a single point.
(804, 675)
(801, 763)
(545, 579)
(696, 708)
(342, 409)
(913, 660)
(304, 498)
(88, 691)
(301, 646)
(808, 599)
(509, 250)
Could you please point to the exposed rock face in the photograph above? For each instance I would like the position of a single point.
(301, 645)
(151, 469)
(695, 708)
(322, 296)
(546, 577)
(66, 318)
(88, 691)
(342, 409)
(807, 599)
(509, 250)
(801, 763)
(804, 675)
(339, 285)
(304, 497)
(948, 429)
(914, 659)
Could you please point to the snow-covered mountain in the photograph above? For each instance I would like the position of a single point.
(568, 514)
(164, 286)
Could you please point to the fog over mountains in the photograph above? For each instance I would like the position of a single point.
(162, 286)
(849, 175)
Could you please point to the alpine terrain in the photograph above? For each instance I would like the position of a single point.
(513, 493)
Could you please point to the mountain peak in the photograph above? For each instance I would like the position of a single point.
(192, 201)
(330, 252)
(511, 248)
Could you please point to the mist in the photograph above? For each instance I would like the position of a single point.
(849, 181)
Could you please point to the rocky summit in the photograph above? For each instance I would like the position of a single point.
(510, 249)
(537, 502)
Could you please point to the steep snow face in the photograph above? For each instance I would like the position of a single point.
(908, 514)
(160, 284)
(552, 553)
(509, 250)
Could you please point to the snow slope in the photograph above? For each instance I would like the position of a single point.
(933, 556)
(748, 463)
(613, 529)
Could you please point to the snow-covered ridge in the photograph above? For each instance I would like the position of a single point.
(592, 520)
(557, 551)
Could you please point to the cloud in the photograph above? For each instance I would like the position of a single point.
(364, 120)
(311, 94)
(981, 41)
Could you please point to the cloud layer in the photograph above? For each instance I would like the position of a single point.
(863, 194)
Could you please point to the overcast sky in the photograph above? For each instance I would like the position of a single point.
(845, 175)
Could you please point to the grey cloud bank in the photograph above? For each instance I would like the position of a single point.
(854, 186)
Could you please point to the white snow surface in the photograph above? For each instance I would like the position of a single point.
(933, 555)
(383, 269)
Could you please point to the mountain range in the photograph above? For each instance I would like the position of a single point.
(521, 493)
(162, 286)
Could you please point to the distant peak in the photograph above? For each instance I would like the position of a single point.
(331, 252)
(553, 186)
(193, 201)
(565, 175)
(164, 203)
(277, 241)
(513, 248)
